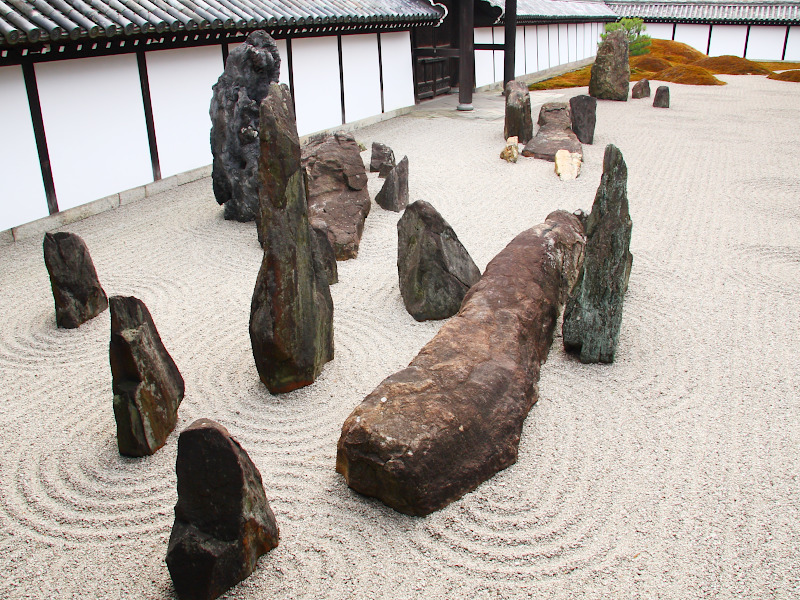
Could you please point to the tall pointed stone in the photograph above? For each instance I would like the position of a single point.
(291, 314)
(77, 292)
(394, 193)
(518, 118)
(611, 71)
(147, 386)
(249, 71)
(593, 313)
(223, 520)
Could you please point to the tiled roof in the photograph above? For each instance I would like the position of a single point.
(530, 10)
(710, 12)
(31, 21)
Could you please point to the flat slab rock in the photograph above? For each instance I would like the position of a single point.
(77, 292)
(338, 199)
(549, 140)
(223, 521)
(451, 419)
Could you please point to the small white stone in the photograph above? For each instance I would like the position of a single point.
(383, 399)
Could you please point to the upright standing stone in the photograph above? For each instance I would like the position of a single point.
(249, 71)
(77, 292)
(223, 521)
(518, 120)
(583, 112)
(611, 71)
(382, 160)
(291, 314)
(147, 386)
(337, 190)
(435, 269)
(593, 314)
(641, 89)
(661, 99)
(394, 193)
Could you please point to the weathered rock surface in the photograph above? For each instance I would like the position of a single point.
(583, 111)
(323, 253)
(77, 292)
(641, 89)
(661, 99)
(249, 71)
(450, 420)
(291, 314)
(435, 269)
(337, 190)
(554, 133)
(611, 71)
(223, 521)
(382, 160)
(568, 165)
(394, 193)
(555, 114)
(593, 314)
(147, 386)
(518, 120)
(511, 152)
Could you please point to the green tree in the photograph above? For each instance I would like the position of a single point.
(638, 42)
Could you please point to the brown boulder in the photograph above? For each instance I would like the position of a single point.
(518, 120)
(394, 193)
(611, 71)
(641, 89)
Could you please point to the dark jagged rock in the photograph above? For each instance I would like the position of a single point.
(661, 99)
(554, 133)
(435, 269)
(382, 160)
(583, 111)
(337, 190)
(147, 386)
(323, 253)
(641, 89)
(394, 193)
(249, 71)
(77, 292)
(450, 420)
(611, 72)
(291, 314)
(518, 120)
(223, 521)
(593, 314)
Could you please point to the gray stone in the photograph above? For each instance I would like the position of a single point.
(583, 112)
(394, 193)
(147, 386)
(554, 133)
(337, 190)
(611, 71)
(223, 520)
(434, 268)
(77, 292)
(249, 71)
(382, 160)
(661, 99)
(323, 253)
(554, 114)
(453, 418)
(641, 89)
(593, 314)
(291, 314)
(518, 120)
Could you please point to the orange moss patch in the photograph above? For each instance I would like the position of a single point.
(674, 52)
(779, 66)
(688, 74)
(652, 64)
(577, 78)
(731, 65)
(786, 76)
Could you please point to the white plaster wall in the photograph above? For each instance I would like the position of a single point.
(484, 59)
(572, 39)
(22, 195)
(180, 92)
(563, 43)
(318, 102)
(398, 71)
(543, 39)
(94, 121)
(553, 45)
(695, 36)
(765, 42)
(580, 43)
(659, 31)
(531, 49)
(727, 40)
(589, 43)
(499, 35)
(362, 83)
(519, 53)
(793, 44)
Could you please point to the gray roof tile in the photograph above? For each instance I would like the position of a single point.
(557, 9)
(710, 12)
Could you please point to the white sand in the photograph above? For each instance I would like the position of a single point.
(672, 473)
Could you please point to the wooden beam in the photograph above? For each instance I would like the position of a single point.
(509, 62)
(466, 61)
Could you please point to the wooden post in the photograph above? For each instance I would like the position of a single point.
(511, 42)
(466, 61)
